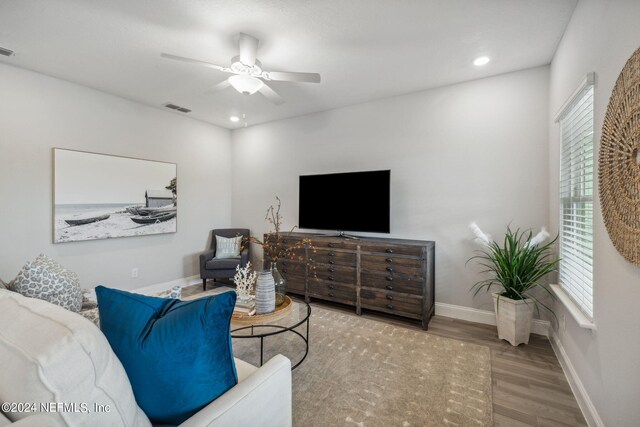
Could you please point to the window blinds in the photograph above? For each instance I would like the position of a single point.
(576, 200)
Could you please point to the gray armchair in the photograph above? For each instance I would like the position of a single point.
(212, 268)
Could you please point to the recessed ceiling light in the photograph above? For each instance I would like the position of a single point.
(234, 118)
(481, 60)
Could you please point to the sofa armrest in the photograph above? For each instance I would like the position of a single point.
(262, 399)
(204, 257)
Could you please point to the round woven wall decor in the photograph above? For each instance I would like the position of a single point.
(619, 162)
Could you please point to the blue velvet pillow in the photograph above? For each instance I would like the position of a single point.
(177, 354)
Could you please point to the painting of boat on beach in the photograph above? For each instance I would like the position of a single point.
(100, 196)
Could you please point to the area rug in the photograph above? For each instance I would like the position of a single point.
(370, 373)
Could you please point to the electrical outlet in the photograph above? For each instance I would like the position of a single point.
(134, 273)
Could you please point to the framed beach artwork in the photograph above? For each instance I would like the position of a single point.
(101, 196)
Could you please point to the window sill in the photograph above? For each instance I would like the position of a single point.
(582, 320)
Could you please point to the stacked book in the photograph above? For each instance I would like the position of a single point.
(245, 308)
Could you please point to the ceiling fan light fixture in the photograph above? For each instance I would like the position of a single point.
(246, 84)
(481, 60)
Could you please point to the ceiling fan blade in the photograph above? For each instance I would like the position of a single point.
(248, 49)
(222, 85)
(195, 61)
(292, 77)
(271, 94)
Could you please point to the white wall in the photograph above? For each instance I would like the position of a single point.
(472, 151)
(39, 112)
(601, 36)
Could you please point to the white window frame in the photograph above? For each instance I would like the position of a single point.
(575, 243)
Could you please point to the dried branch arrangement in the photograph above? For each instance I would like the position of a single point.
(279, 247)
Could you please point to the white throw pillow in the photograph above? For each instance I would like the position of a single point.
(50, 354)
(228, 247)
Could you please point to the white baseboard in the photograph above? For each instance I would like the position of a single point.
(159, 287)
(579, 391)
(540, 327)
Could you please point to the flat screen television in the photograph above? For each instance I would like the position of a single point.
(353, 201)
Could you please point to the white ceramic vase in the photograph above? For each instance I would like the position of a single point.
(265, 293)
(513, 318)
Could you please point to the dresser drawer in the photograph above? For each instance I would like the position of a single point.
(335, 244)
(391, 264)
(334, 273)
(334, 257)
(285, 240)
(391, 249)
(391, 301)
(292, 267)
(295, 284)
(332, 291)
(393, 282)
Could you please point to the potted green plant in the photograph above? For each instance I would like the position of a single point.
(516, 268)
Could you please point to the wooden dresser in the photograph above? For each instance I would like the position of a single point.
(389, 275)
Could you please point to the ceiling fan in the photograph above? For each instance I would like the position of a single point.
(248, 75)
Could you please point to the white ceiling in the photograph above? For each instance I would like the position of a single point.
(364, 49)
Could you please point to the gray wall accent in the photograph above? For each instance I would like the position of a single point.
(472, 151)
(38, 112)
(601, 36)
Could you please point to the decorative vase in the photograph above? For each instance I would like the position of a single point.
(280, 284)
(265, 293)
(513, 318)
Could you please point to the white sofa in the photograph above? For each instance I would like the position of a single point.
(51, 356)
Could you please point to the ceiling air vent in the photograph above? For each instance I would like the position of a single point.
(6, 52)
(177, 108)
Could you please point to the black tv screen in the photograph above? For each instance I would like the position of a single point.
(354, 201)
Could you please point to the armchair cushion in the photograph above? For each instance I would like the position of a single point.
(177, 354)
(222, 264)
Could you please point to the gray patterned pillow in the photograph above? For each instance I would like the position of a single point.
(173, 293)
(89, 300)
(90, 309)
(47, 280)
(92, 314)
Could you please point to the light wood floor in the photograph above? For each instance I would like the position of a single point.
(529, 386)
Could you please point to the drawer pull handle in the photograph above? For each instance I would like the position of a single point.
(390, 307)
(389, 287)
(331, 294)
(389, 260)
(331, 262)
(332, 287)
(330, 278)
(331, 245)
(390, 297)
(389, 269)
(389, 278)
(331, 270)
(332, 254)
(389, 251)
